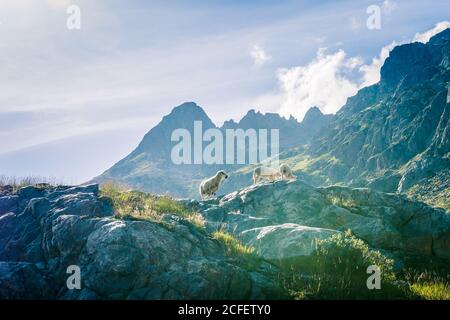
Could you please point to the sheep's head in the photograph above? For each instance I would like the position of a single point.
(222, 175)
(287, 172)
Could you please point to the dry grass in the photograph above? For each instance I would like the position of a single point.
(429, 285)
(145, 206)
(20, 182)
(233, 245)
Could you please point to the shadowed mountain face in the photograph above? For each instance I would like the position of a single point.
(386, 125)
(150, 168)
(292, 133)
(394, 134)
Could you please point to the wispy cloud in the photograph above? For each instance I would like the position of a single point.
(424, 37)
(259, 55)
(388, 6)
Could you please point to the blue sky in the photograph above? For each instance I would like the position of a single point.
(73, 102)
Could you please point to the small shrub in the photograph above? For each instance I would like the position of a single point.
(337, 270)
(243, 254)
(165, 204)
(428, 285)
(196, 219)
(233, 245)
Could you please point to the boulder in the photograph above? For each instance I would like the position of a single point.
(22, 280)
(285, 241)
(8, 204)
(6, 190)
(385, 221)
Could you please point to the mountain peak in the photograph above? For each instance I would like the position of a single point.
(415, 62)
(312, 115)
(187, 107)
(440, 37)
(185, 114)
(154, 143)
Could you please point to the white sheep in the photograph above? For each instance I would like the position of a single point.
(286, 172)
(210, 186)
(265, 173)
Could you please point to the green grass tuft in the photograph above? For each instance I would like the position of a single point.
(233, 245)
(337, 269)
(428, 285)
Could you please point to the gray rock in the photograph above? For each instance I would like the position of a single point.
(285, 241)
(118, 259)
(30, 192)
(21, 280)
(8, 204)
(6, 190)
(172, 259)
(385, 221)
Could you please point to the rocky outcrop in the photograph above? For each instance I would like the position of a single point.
(50, 229)
(285, 219)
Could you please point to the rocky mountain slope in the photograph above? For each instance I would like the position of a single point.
(392, 135)
(44, 229)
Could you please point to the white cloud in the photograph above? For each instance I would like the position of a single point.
(328, 80)
(425, 36)
(259, 55)
(321, 83)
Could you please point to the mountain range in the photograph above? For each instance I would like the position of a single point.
(149, 166)
(392, 136)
